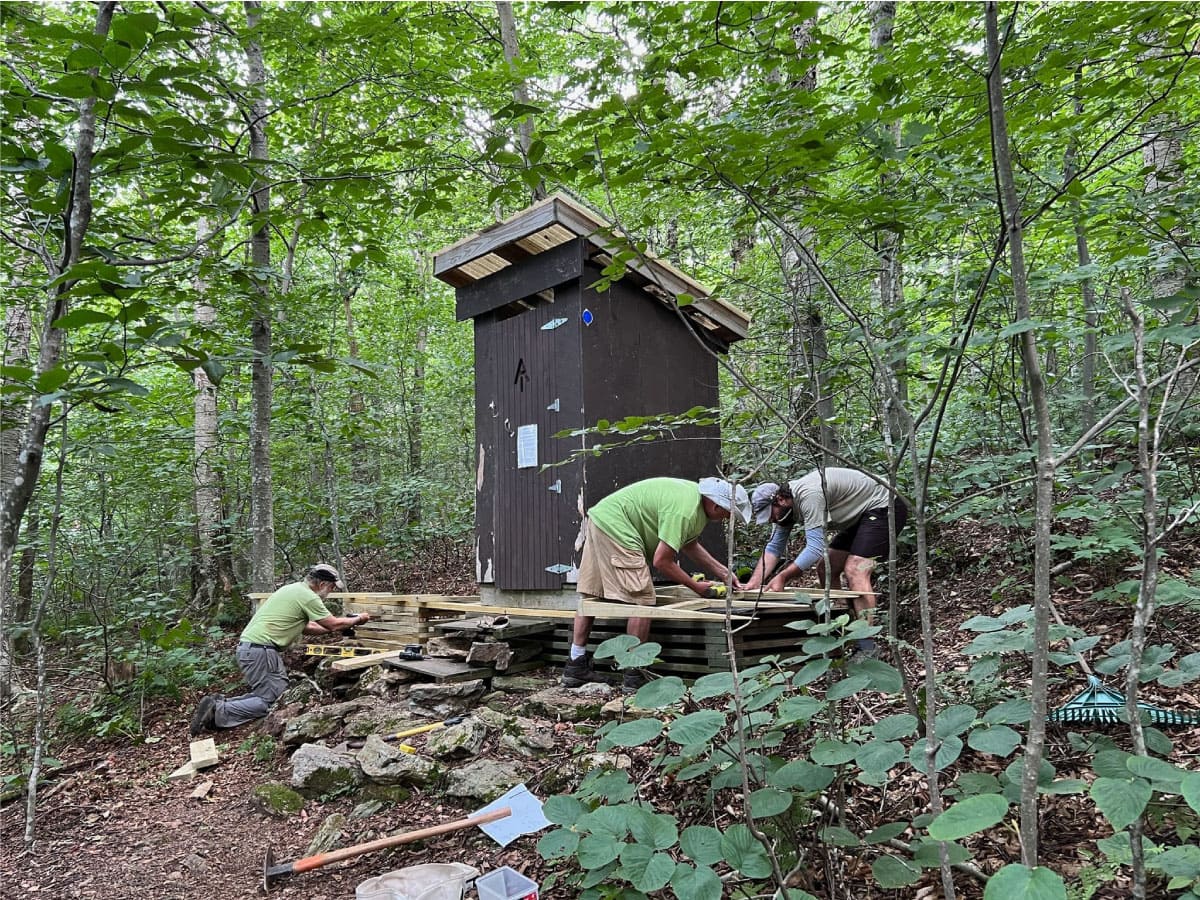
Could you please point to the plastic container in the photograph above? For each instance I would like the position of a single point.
(506, 884)
(432, 881)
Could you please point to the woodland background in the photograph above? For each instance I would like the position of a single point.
(966, 233)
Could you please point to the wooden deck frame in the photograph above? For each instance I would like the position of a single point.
(402, 619)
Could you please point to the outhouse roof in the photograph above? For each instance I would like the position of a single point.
(558, 219)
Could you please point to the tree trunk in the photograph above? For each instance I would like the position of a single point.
(1091, 314)
(262, 521)
(21, 477)
(1044, 509)
(512, 53)
(206, 484)
(889, 241)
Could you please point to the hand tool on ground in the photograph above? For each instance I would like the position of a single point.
(409, 732)
(273, 872)
(411, 652)
(1097, 703)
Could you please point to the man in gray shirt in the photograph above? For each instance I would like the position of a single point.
(845, 500)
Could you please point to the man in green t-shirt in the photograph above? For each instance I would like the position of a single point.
(294, 609)
(647, 523)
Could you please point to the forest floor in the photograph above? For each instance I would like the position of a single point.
(110, 825)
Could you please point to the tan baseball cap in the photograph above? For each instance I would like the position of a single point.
(326, 572)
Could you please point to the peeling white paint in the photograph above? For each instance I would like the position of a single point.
(479, 472)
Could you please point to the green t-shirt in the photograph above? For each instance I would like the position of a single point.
(283, 615)
(657, 509)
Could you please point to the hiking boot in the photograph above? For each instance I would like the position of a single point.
(205, 715)
(578, 672)
(632, 680)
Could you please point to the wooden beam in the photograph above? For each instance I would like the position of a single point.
(603, 610)
(363, 662)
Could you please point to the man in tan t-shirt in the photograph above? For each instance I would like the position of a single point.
(848, 501)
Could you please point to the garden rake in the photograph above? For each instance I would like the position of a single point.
(1103, 705)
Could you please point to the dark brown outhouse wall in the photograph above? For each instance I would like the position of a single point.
(560, 365)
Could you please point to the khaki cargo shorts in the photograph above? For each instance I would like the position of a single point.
(609, 571)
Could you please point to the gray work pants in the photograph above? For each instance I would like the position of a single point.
(266, 675)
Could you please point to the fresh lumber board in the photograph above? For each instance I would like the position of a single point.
(363, 662)
(204, 753)
(603, 610)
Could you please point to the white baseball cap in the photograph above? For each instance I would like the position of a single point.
(720, 492)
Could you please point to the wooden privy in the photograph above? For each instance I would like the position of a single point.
(561, 345)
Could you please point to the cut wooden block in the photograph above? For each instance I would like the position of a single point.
(187, 770)
(204, 753)
(201, 790)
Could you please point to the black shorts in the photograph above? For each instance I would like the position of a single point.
(868, 537)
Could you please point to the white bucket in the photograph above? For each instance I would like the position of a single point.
(506, 884)
(432, 881)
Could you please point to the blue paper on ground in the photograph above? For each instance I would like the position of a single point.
(526, 818)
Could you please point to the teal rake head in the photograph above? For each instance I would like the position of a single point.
(1100, 704)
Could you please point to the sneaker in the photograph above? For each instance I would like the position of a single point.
(632, 680)
(205, 715)
(578, 672)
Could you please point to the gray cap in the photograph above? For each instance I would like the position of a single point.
(326, 572)
(761, 499)
(720, 492)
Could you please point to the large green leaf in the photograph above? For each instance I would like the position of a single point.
(954, 720)
(1156, 770)
(847, 687)
(744, 853)
(1016, 711)
(769, 801)
(1018, 882)
(800, 773)
(947, 752)
(799, 709)
(646, 869)
(596, 850)
(1121, 800)
(655, 830)
(696, 728)
(969, 816)
(558, 844)
(634, 733)
(563, 809)
(1178, 862)
(881, 676)
(701, 844)
(1190, 789)
(811, 671)
(999, 740)
(696, 883)
(879, 756)
(659, 693)
(713, 685)
(894, 727)
(891, 872)
(832, 753)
